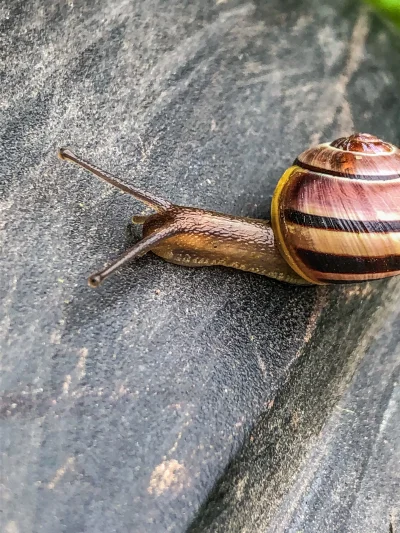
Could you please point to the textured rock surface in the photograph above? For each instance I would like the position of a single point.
(351, 480)
(126, 408)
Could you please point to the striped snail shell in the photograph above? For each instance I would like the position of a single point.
(336, 211)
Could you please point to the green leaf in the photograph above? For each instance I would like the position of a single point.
(388, 8)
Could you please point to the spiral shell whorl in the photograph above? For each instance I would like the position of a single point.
(364, 143)
(336, 212)
(360, 156)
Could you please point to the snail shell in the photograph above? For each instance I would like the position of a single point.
(336, 211)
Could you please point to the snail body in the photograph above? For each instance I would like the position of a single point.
(335, 218)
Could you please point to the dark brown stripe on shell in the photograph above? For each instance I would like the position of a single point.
(347, 175)
(342, 224)
(343, 264)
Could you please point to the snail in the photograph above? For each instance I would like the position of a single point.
(335, 218)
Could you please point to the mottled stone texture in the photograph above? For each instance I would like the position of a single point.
(173, 398)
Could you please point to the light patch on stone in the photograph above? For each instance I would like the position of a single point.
(168, 475)
(81, 365)
(68, 465)
(66, 384)
(11, 527)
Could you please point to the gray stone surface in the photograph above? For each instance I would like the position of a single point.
(351, 479)
(129, 407)
(349, 476)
